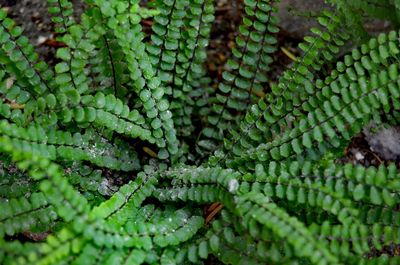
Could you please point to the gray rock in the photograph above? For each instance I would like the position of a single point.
(384, 141)
(296, 15)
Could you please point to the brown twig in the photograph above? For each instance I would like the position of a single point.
(212, 211)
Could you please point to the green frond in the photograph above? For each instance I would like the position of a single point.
(396, 4)
(383, 259)
(356, 13)
(71, 70)
(246, 73)
(90, 254)
(338, 109)
(261, 209)
(180, 36)
(59, 145)
(62, 14)
(378, 8)
(109, 69)
(131, 194)
(15, 184)
(20, 61)
(23, 214)
(354, 21)
(146, 84)
(296, 86)
(14, 98)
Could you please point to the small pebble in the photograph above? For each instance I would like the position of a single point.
(41, 40)
(385, 141)
(359, 156)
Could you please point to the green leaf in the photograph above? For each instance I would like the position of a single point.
(359, 192)
(229, 236)
(214, 243)
(100, 100)
(375, 196)
(203, 250)
(62, 68)
(64, 54)
(307, 142)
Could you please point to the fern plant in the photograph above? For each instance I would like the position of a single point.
(124, 153)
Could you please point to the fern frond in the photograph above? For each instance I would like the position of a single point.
(147, 85)
(62, 14)
(379, 9)
(353, 21)
(71, 72)
(346, 99)
(295, 86)
(246, 73)
(109, 69)
(15, 184)
(58, 191)
(260, 208)
(57, 145)
(19, 59)
(383, 259)
(23, 214)
(13, 99)
(178, 51)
